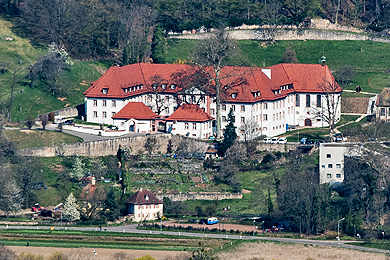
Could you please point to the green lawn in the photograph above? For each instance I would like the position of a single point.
(37, 138)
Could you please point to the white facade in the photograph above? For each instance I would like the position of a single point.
(201, 130)
(147, 212)
(331, 160)
(133, 125)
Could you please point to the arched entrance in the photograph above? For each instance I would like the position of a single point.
(307, 122)
(132, 127)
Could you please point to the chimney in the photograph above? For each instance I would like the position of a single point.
(267, 72)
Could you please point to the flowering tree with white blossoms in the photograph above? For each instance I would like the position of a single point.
(70, 211)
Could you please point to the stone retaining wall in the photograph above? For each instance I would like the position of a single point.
(134, 144)
(278, 34)
(200, 196)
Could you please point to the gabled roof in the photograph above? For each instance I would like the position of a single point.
(383, 99)
(142, 197)
(241, 84)
(189, 113)
(136, 110)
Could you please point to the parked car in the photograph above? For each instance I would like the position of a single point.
(267, 140)
(282, 140)
(112, 127)
(274, 140)
(303, 140)
(68, 122)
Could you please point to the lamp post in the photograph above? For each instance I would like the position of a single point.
(338, 228)
(254, 228)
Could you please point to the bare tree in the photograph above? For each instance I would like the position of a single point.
(210, 57)
(155, 100)
(44, 120)
(249, 130)
(332, 95)
(134, 24)
(6, 254)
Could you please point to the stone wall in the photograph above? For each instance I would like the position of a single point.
(134, 144)
(284, 148)
(357, 105)
(200, 196)
(279, 34)
(71, 111)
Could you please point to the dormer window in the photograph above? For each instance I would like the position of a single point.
(138, 87)
(280, 91)
(141, 86)
(154, 85)
(173, 86)
(105, 90)
(129, 89)
(163, 86)
(125, 90)
(234, 95)
(146, 197)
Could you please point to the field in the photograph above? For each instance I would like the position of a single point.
(273, 251)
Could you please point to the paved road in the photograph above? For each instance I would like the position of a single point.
(132, 229)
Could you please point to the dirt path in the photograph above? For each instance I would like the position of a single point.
(88, 253)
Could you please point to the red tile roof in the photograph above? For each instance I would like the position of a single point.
(142, 197)
(189, 113)
(136, 110)
(244, 81)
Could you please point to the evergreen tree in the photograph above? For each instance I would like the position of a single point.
(158, 46)
(78, 169)
(11, 197)
(111, 206)
(70, 211)
(229, 135)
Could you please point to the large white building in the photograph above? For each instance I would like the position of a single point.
(273, 98)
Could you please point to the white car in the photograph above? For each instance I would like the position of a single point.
(274, 140)
(267, 140)
(282, 140)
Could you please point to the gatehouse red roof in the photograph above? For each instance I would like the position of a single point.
(189, 113)
(136, 110)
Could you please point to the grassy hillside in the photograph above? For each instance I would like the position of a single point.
(368, 59)
(17, 54)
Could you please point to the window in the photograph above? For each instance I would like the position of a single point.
(318, 100)
(139, 206)
(223, 107)
(113, 103)
(297, 103)
(163, 86)
(328, 155)
(307, 100)
(242, 119)
(104, 103)
(234, 95)
(242, 108)
(113, 113)
(265, 117)
(186, 126)
(383, 112)
(265, 106)
(338, 165)
(329, 175)
(233, 107)
(104, 114)
(167, 110)
(330, 165)
(173, 86)
(212, 111)
(223, 118)
(95, 103)
(154, 85)
(105, 90)
(338, 175)
(323, 166)
(95, 114)
(194, 126)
